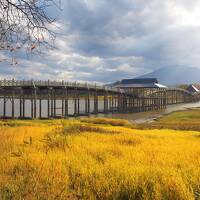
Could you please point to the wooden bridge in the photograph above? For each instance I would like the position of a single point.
(53, 99)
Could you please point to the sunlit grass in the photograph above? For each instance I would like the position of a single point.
(97, 159)
(181, 120)
(106, 121)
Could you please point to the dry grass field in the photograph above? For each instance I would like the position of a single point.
(180, 120)
(100, 159)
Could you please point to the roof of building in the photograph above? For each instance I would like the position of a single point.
(197, 86)
(140, 81)
(194, 88)
(148, 85)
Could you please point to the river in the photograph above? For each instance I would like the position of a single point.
(135, 117)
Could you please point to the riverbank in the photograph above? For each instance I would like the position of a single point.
(152, 116)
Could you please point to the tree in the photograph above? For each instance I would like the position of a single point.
(26, 24)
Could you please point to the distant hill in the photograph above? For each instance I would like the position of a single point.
(175, 75)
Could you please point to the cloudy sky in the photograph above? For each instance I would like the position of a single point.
(107, 40)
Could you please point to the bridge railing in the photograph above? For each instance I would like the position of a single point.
(49, 83)
(179, 89)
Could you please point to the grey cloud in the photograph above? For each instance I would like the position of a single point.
(104, 41)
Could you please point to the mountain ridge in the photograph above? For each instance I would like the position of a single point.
(175, 75)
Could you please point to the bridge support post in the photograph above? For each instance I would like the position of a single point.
(87, 103)
(13, 105)
(109, 102)
(23, 105)
(122, 103)
(48, 103)
(95, 102)
(165, 98)
(4, 106)
(32, 104)
(174, 97)
(20, 103)
(105, 102)
(78, 103)
(130, 104)
(159, 96)
(119, 102)
(125, 106)
(115, 103)
(143, 104)
(75, 102)
(63, 105)
(54, 103)
(40, 108)
(66, 103)
(112, 102)
(160, 99)
(35, 103)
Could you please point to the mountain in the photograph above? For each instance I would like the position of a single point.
(175, 75)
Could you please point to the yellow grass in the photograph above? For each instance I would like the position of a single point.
(180, 120)
(80, 159)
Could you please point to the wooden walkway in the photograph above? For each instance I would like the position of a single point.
(53, 99)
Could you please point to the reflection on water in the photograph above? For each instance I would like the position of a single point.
(44, 108)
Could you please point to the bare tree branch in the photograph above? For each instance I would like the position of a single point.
(26, 24)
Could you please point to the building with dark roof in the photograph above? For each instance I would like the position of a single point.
(140, 83)
(142, 86)
(194, 88)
